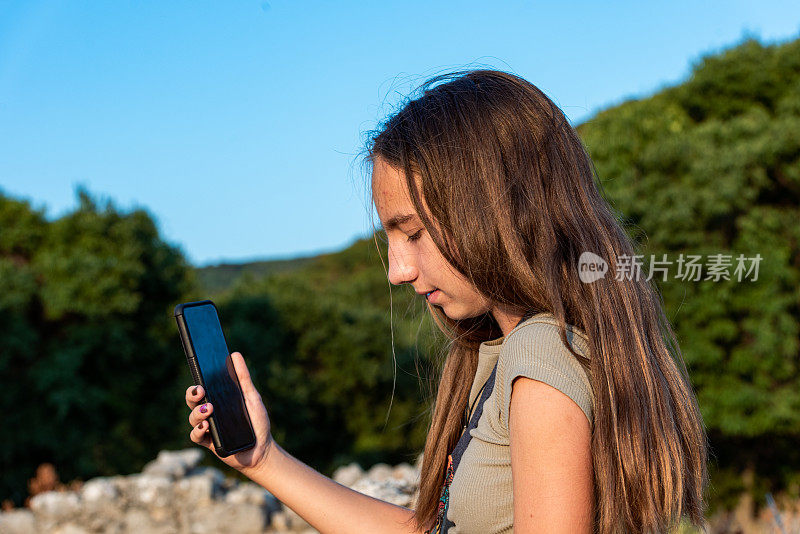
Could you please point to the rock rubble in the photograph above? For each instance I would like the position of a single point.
(175, 495)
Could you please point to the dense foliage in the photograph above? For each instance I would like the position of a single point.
(713, 167)
(87, 361)
(93, 375)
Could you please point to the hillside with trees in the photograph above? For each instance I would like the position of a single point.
(91, 378)
(709, 167)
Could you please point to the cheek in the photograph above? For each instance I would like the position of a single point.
(433, 263)
(439, 273)
(463, 290)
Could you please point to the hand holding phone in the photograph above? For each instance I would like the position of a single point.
(235, 424)
(246, 460)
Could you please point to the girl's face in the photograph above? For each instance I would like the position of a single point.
(413, 256)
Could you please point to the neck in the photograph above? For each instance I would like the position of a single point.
(506, 319)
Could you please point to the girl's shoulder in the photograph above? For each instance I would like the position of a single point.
(534, 349)
(542, 327)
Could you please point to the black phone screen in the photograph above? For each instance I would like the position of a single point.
(219, 376)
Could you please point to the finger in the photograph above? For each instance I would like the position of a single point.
(194, 395)
(200, 413)
(255, 404)
(244, 375)
(200, 434)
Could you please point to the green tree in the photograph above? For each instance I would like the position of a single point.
(92, 381)
(712, 166)
(22, 230)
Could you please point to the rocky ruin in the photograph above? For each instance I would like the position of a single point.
(175, 495)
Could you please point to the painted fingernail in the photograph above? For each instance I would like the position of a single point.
(194, 391)
(200, 426)
(204, 408)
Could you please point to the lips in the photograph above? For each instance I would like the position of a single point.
(430, 294)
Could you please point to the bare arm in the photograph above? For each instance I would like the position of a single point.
(325, 504)
(551, 463)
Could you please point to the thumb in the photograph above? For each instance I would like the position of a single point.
(245, 382)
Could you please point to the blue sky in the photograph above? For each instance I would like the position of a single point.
(237, 123)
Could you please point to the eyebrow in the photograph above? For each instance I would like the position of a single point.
(397, 220)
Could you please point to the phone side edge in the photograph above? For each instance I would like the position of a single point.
(191, 358)
(194, 365)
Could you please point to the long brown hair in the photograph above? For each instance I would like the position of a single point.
(512, 203)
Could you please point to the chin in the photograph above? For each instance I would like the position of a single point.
(460, 313)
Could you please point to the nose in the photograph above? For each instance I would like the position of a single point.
(402, 267)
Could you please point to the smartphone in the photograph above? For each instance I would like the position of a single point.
(212, 367)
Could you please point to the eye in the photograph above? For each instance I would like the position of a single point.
(415, 236)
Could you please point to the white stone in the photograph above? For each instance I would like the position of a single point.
(243, 518)
(196, 489)
(19, 521)
(390, 490)
(280, 521)
(55, 503)
(153, 490)
(99, 489)
(348, 475)
(249, 493)
(217, 477)
(204, 485)
(174, 464)
(240, 518)
(108, 520)
(406, 472)
(138, 520)
(287, 520)
(69, 528)
(380, 472)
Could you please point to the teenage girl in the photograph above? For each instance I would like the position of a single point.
(563, 403)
